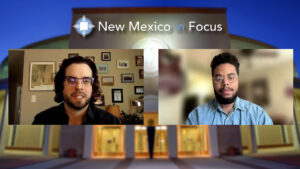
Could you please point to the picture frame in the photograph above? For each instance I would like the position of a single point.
(138, 89)
(102, 68)
(107, 80)
(100, 100)
(41, 76)
(91, 57)
(122, 64)
(70, 55)
(139, 60)
(117, 95)
(105, 56)
(127, 78)
(141, 73)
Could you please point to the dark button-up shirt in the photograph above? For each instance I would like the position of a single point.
(57, 115)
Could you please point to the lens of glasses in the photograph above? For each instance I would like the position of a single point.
(85, 80)
(231, 78)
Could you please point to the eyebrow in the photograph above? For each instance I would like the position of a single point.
(79, 77)
(226, 75)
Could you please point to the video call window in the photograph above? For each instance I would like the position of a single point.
(226, 86)
(76, 86)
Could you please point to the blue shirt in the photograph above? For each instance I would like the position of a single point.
(243, 113)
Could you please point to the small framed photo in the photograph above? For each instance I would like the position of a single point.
(107, 80)
(123, 64)
(91, 57)
(117, 95)
(102, 68)
(105, 56)
(141, 74)
(138, 89)
(70, 55)
(139, 60)
(127, 78)
(41, 76)
(100, 101)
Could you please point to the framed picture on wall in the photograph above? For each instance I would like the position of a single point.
(117, 95)
(102, 68)
(139, 60)
(41, 76)
(127, 78)
(141, 74)
(70, 55)
(107, 80)
(123, 64)
(138, 89)
(105, 56)
(91, 57)
(100, 101)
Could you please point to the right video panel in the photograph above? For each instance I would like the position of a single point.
(226, 86)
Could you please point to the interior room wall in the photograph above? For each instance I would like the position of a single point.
(279, 80)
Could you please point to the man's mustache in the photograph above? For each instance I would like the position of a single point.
(227, 88)
(79, 93)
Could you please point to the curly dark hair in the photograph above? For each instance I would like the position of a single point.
(60, 77)
(225, 58)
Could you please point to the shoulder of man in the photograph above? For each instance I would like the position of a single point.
(197, 113)
(104, 116)
(48, 116)
(262, 118)
(249, 106)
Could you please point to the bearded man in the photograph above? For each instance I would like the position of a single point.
(76, 85)
(227, 108)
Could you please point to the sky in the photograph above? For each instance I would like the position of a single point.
(275, 22)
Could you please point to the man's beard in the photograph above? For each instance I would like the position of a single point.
(223, 100)
(68, 101)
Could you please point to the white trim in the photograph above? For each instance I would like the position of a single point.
(213, 141)
(88, 142)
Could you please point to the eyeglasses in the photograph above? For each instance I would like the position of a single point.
(219, 79)
(73, 80)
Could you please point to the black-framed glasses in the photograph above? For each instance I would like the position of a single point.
(219, 79)
(74, 80)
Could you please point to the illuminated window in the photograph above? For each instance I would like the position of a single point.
(24, 137)
(160, 141)
(192, 140)
(109, 141)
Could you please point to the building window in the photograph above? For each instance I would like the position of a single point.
(160, 142)
(192, 140)
(109, 141)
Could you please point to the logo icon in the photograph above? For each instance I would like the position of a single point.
(83, 26)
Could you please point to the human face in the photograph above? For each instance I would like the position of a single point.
(225, 83)
(77, 96)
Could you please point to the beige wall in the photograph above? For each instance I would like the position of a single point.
(279, 80)
(26, 136)
(45, 99)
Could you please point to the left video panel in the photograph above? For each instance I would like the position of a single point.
(76, 86)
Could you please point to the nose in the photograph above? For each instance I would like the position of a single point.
(225, 82)
(79, 84)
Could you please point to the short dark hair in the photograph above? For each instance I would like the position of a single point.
(225, 58)
(61, 75)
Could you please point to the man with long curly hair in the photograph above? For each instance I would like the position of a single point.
(76, 85)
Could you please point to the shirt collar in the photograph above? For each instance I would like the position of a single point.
(89, 115)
